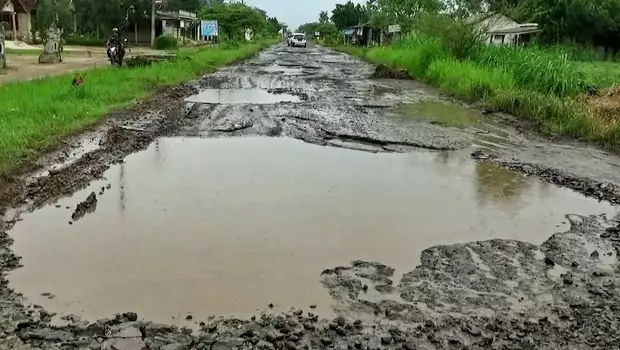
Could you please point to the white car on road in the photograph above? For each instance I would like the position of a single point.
(298, 39)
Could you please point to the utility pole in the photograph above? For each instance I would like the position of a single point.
(153, 23)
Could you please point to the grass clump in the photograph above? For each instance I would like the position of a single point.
(166, 42)
(36, 114)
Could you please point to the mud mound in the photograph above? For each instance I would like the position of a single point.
(605, 104)
(602, 191)
(85, 207)
(385, 72)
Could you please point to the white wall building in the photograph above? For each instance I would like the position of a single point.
(502, 30)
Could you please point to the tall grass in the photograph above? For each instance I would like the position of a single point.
(534, 68)
(542, 86)
(35, 114)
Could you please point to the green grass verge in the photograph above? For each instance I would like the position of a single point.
(22, 52)
(539, 86)
(37, 114)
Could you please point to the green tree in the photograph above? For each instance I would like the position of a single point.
(349, 14)
(404, 12)
(235, 18)
(325, 29)
(323, 17)
(53, 13)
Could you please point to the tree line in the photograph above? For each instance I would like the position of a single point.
(96, 18)
(586, 22)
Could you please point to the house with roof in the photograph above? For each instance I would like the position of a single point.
(503, 30)
(18, 15)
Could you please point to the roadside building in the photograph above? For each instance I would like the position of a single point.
(503, 30)
(17, 14)
(363, 35)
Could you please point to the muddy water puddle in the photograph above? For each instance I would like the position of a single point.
(226, 226)
(487, 132)
(241, 96)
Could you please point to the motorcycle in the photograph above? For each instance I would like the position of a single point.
(116, 58)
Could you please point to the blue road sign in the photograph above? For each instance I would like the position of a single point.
(209, 28)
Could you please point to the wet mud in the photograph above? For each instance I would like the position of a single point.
(560, 292)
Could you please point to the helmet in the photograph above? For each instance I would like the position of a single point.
(115, 30)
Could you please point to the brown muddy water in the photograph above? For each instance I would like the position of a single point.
(226, 226)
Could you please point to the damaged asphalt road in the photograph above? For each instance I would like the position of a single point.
(495, 294)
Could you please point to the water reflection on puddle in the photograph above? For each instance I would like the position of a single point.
(239, 96)
(487, 134)
(225, 226)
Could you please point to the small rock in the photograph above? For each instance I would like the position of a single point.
(594, 254)
(313, 306)
(293, 322)
(129, 332)
(290, 345)
(365, 288)
(309, 326)
(567, 278)
(340, 321)
(248, 333)
(189, 317)
(131, 316)
(357, 344)
(286, 330)
(124, 344)
(341, 331)
(271, 305)
(176, 346)
(386, 340)
(549, 262)
(202, 324)
(298, 312)
(409, 345)
(398, 339)
(326, 341)
(575, 264)
(272, 336)
(293, 338)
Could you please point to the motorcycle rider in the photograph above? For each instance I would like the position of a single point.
(115, 40)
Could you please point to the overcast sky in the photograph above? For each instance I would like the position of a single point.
(296, 12)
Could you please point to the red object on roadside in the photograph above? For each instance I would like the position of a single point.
(77, 81)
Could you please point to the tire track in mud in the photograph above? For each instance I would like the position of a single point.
(485, 295)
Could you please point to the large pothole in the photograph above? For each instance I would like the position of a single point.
(223, 226)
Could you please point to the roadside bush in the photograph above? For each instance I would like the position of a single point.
(468, 80)
(166, 42)
(230, 44)
(462, 38)
(536, 69)
(84, 40)
(419, 52)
